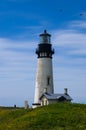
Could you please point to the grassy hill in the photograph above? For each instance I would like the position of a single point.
(62, 116)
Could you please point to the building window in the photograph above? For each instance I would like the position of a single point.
(50, 54)
(45, 102)
(48, 80)
(42, 103)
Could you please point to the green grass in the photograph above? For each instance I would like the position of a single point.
(61, 116)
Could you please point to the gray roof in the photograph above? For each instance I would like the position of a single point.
(56, 96)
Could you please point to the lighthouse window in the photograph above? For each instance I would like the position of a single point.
(42, 53)
(45, 39)
(45, 54)
(48, 80)
(50, 54)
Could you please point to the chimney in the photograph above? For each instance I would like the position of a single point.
(45, 90)
(65, 91)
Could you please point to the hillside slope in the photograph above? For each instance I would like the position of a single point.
(53, 117)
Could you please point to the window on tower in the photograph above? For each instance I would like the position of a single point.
(44, 39)
(48, 80)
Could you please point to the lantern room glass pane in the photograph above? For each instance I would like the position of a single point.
(44, 39)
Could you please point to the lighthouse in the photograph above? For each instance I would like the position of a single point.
(44, 74)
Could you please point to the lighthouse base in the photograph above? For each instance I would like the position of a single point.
(35, 105)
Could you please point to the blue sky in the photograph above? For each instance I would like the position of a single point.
(21, 22)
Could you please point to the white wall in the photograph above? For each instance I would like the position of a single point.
(44, 70)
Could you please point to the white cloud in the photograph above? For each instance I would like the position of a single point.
(78, 24)
(70, 49)
(14, 59)
(72, 39)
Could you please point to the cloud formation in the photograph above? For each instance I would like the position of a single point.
(73, 40)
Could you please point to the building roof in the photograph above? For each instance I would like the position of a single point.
(56, 96)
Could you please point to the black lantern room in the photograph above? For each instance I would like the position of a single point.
(44, 47)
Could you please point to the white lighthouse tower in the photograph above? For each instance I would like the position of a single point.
(44, 75)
